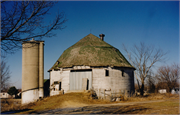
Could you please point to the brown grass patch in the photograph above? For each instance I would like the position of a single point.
(152, 96)
(85, 99)
(13, 105)
(167, 107)
(62, 101)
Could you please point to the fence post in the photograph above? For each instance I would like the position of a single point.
(111, 94)
(119, 93)
(98, 93)
(104, 93)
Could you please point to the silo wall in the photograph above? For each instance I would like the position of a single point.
(41, 69)
(32, 71)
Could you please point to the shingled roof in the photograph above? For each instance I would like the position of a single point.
(91, 51)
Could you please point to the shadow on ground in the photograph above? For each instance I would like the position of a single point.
(123, 109)
(133, 109)
(117, 110)
(17, 111)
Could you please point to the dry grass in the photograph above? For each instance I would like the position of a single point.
(85, 99)
(165, 107)
(61, 101)
(12, 105)
(152, 96)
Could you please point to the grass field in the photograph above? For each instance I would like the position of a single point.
(149, 105)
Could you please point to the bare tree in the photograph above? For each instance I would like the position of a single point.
(169, 76)
(5, 75)
(23, 20)
(143, 58)
(151, 82)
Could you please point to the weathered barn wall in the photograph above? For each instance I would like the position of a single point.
(114, 81)
(99, 80)
(59, 76)
(65, 80)
(125, 82)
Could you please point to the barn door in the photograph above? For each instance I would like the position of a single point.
(76, 79)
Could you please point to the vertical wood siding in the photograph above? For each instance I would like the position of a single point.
(75, 79)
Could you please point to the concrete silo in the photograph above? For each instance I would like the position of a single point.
(32, 70)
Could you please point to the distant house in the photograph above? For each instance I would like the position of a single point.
(175, 90)
(162, 91)
(4, 94)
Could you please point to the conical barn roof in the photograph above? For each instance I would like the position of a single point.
(91, 51)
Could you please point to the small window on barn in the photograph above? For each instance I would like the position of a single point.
(56, 82)
(123, 73)
(59, 86)
(107, 72)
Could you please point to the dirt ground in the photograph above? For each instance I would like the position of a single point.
(146, 107)
(81, 104)
(170, 106)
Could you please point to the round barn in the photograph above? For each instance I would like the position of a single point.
(91, 63)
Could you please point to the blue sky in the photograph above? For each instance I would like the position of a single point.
(122, 22)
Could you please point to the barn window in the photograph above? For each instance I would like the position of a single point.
(87, 87)
(107, 72)
(82, 70)
(59, 85)
(122, 73)
(56, 82)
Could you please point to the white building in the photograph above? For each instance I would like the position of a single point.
(162, 90)
(175, 90)
(91, 63)
(4, 95)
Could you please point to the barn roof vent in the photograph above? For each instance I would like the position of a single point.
(101, 36)
(32, 39)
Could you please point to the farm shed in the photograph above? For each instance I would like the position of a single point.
(91, 63)
(4, 94)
